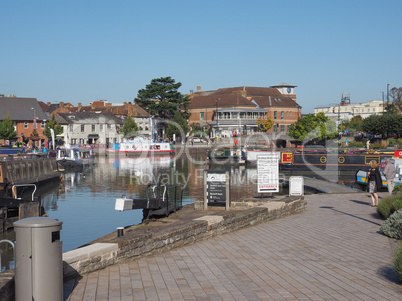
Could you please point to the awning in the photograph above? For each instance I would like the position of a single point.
(93, 136)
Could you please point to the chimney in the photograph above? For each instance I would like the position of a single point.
(129, 109)
(79, 106)
(198, 88)
(61, 105)
(48, 103)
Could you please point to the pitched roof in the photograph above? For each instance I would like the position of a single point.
(21, 108)
(89, 117)
(265, 97)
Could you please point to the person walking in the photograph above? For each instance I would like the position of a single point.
(389, 173)
(375, 182)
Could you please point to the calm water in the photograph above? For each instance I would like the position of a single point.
(85, 201)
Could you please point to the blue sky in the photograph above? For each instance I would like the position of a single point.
(81, 51)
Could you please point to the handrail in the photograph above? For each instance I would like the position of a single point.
(22, 185)
(12, 244)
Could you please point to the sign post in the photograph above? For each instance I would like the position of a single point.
(268, 172)
(216, 188)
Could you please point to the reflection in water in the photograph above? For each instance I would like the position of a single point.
(84, 201)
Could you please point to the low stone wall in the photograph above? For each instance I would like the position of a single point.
(136, 245)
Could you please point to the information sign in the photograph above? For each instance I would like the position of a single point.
(216, 186)
(268, 172)
(296, 186)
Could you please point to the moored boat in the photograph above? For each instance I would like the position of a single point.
(140, 146)
(362, 178)
(74, 157)
(330, 160)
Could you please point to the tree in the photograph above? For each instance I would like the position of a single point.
(312, 127)
(396, 96)
(383, 124)
(52, 124)
(265, 124)
(7, 130)
(129, 128)
(178, 126)
(161, 98)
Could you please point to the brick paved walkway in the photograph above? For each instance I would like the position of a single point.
(333, 251)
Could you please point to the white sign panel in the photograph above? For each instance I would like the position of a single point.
(296, 186)
(268, 172)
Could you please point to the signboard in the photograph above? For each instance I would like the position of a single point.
(216, 187)
(268, 172)
(398, 153)
(296, 186)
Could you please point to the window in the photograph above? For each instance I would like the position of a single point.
(275, 115)
(287, 113)
(82, 128)
(282, 127)
(71, 128)
(282, 115)
(25, 124)
(275, 128)
(201, 115)
(93, 128)
(109, 126)
(101, 127)
(288, 126)
(373, 109)
(290, 113)
(42, 125)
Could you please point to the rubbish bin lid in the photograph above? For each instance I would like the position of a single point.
(37, 222)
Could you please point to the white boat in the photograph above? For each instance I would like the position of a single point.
(141, 145)
(362, 180)
(74, 157)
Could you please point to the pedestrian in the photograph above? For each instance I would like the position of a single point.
(236, 142)
(375, 182)
(389, 173)
(368, 144)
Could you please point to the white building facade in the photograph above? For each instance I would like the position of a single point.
(347, 111)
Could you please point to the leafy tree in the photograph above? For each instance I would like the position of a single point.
(7, 130)
(161, 98)
(353, 124)
(312, 127)
(52, 124)
(383, 124)
(129, 128)
(177, 126)
(265, 124)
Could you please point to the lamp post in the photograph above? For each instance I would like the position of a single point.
(217, 117)
(388, 94)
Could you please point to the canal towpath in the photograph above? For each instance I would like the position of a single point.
(331, 251)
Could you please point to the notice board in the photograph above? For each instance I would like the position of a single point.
(268, 172)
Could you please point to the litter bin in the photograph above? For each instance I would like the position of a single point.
(38, 259)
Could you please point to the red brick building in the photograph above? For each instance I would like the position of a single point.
(237, 109)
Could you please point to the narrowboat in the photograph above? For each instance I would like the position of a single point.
(327, 160)
(225, 155)
(362, 179)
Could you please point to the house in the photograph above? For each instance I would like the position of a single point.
(90, 128)
(27, 116)
(236, 110)
(122, 111)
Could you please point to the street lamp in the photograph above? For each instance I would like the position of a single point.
(217, 118)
